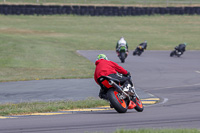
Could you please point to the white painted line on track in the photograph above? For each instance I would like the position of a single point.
(197, 71)
(164, 101)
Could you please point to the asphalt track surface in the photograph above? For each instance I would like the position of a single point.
(176, 81)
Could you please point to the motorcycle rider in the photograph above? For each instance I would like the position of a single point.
(105, 67)
(142, 46)
(181, 47)
(120, 42)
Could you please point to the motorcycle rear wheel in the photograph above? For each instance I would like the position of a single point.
(139, 53)
(178, 55)
(118, 104)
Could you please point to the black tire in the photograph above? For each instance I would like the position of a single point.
(119, 105)
(172, 53)
(139, 106)
(134, 52)
(178, 55)
(122, 56)
(139, 53)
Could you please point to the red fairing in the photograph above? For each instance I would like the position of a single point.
(106, 84)
(107, 67)
(131, 105)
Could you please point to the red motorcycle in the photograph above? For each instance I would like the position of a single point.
(120, 100)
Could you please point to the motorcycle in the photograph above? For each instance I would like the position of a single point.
(176, 53)
(122, 52)
(120, 100)
(138, 51)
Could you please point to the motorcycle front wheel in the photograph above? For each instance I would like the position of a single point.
(139, 106)
(134, 53)
(119, 104)
(172, 53)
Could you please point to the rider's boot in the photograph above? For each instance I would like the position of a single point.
(102, 94)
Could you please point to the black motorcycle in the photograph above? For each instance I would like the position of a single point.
(176, 53)
(138, 51)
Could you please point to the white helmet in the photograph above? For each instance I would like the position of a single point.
(122, 41)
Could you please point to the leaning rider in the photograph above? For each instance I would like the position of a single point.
(181, 47)
(142, 46)
(120, 42)
(105, 67)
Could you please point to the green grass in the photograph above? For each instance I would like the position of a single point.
(159, 131)
(44, 47)
(39, 107)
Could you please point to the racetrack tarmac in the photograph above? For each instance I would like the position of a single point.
(175, 80)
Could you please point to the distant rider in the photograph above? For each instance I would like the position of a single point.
(120, 42)
(105, 67)
(181, 47)
(142, 46)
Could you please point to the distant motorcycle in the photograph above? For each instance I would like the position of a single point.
(178, 50)
(138, 51)
(176, 53)
(122, 51)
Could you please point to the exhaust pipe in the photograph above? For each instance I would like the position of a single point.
(119, 89)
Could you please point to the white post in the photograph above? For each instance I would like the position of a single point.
(38, 1)
(4, 1)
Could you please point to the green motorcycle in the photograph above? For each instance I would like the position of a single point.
(122, 52)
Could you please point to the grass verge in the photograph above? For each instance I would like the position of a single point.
(40, 107)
